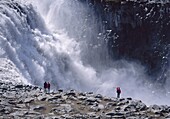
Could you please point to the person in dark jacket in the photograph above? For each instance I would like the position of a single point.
(45, 87)
(48, 86)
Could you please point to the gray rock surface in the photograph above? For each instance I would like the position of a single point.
(23, 101)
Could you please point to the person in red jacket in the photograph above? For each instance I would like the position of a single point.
(118, 90)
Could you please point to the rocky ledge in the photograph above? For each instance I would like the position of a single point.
(25, 101)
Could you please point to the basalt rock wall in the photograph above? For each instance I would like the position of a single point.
(136, 31)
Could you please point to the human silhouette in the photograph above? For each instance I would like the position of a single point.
(48, 86)
(45, 87)
(118, 91)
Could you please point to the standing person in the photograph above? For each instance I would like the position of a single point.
(45, 87)
(118, 90)
(48, 86)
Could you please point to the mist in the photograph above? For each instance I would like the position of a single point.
(70, 51)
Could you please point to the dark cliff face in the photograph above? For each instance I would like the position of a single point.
(137, 31)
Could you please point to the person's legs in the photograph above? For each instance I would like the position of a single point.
(118, 95)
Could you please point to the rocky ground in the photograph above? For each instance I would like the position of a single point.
(24, 101)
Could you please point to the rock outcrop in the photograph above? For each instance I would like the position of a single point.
(136, 31)
(25, 101)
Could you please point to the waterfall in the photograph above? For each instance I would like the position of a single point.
(63, 42)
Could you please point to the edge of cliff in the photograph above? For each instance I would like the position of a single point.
(27, 101)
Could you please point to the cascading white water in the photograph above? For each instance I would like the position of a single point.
(62, 50)
(84, 28)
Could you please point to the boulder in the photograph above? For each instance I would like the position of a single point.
(82, 97)
(71, 93)
(39, 108)
(115, 114)
(29, 100)
(19, 86)
(41, 98)
(91, 99)
(99, 96)
(20, 105)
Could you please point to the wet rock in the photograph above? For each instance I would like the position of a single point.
(20, 105)
(52, 99)
(135, 105)
(167, 116)
(32, 103)
(6, 110)
(129, 98)
(39, 108)
(4, 88)
(42, 98)
(31, 112)
(80, 116)
(72, 98)
(82, 97)
(2, 110)
(29, 100)
(92, 115)
(39, 117)
(60, 90)
(101, 106)
(91, 99)
(121, 99)
(116, 114)
(71, 93)
(154, 107)
(19, 113)
(94, 109)
(82, 94)
(99, 96)
(58, 96)
(66, 116)
(110, 104)
(107, 99)
(8, 95)
(62, 109)
(19, 86)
